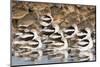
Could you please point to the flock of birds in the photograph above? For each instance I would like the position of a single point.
(53, 42)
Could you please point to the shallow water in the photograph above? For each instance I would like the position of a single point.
(44, 60)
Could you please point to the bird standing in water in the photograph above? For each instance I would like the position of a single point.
(84, 34)
(46, 20)
(70, 31)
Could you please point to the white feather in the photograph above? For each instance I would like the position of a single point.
(19, 42)
(26, 35)
(44, 23)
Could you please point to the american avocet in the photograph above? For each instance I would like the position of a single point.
(70, 31)
(85, 44)
(28, 35)
(50, 29)
(46, 20)
(84, 34)
(59, 44)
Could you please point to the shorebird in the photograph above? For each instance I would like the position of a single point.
(85, 44)
(70, 31)
(53, 28)
(55, 36)
(47, 31)
(57, 33)
(18, 34)
(27, 46)
(18, 42)
(31, 44)
(85, 41)
(46, 20)
(84, 34)
(27, 35)
(21, 28)
(60, 43)
(35, 44)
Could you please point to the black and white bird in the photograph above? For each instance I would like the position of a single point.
(25, 46)
(46, 20)
(28, 40)
(84, 34)
(84, 41)
(48, 30)
(27, 35)
(22, 28)
(57, 33)
(35, 44)
(59, 42)
(85, 44)
(53, 28)
(70, 31)
(55, 36)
